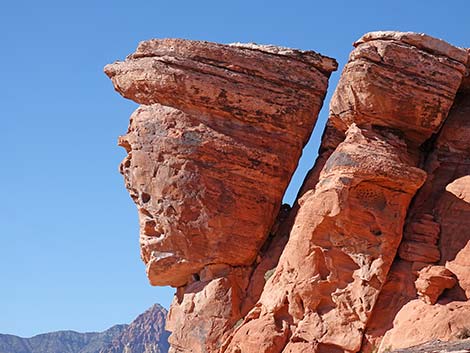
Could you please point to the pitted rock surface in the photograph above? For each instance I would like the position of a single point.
(213, 146)
(373, 255)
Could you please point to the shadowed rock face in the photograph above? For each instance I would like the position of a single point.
(322, 294)
(442, 238)
(212, 149)
(394, 93)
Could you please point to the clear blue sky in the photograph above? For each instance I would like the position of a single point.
(69, 255)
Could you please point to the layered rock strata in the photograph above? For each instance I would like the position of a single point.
(352, 266)
(443, 240)
(213, 146)
(343, 241)
(398, 89)
(210, 153)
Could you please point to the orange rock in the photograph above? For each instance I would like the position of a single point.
(419, 251)
(446, 161)
(213, 147)
(205, 312)
(460, 188)
(340, 248)
(404, 81)
(398, 290)
(211, 151)
(388, 87)
(419, 322)
(460, 266)
(432, 281)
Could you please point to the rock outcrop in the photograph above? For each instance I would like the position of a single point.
(445, 241)
(378, 238)
(210, 154)
(432, 281)
(357, 248)
(213, 146)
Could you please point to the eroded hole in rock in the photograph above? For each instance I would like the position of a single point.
(151, 229)
(127, 163)
(377, 232)
(145, 212)
(145, 197)
(170, 211)
(370, 196)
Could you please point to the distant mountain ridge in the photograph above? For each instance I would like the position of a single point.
(146, 334)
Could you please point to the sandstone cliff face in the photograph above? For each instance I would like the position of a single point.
(436, 233)
(202, 166)
(378, 239)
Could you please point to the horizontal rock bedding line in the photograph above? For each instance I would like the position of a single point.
(373, 255)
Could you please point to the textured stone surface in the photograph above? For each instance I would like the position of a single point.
(418, 322)
(438, 346)
(420, 240)
(447, 161)
(399, 88)
(211, 151)
(403, 81)
(205, 312)
(460, 188)
(432, 281)
(397, 291)
(340, 248)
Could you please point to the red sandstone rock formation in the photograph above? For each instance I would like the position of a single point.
(213, 147)
(432, 281)
(210, 154)
(446, 243)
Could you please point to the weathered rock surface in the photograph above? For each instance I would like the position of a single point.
(418, 322)
(302, 309)
(447, 161)
(432, 281)
(403, 81)
(373, 255)
(340, 248)
(205, 312)
(460, 188)
(212, 150)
